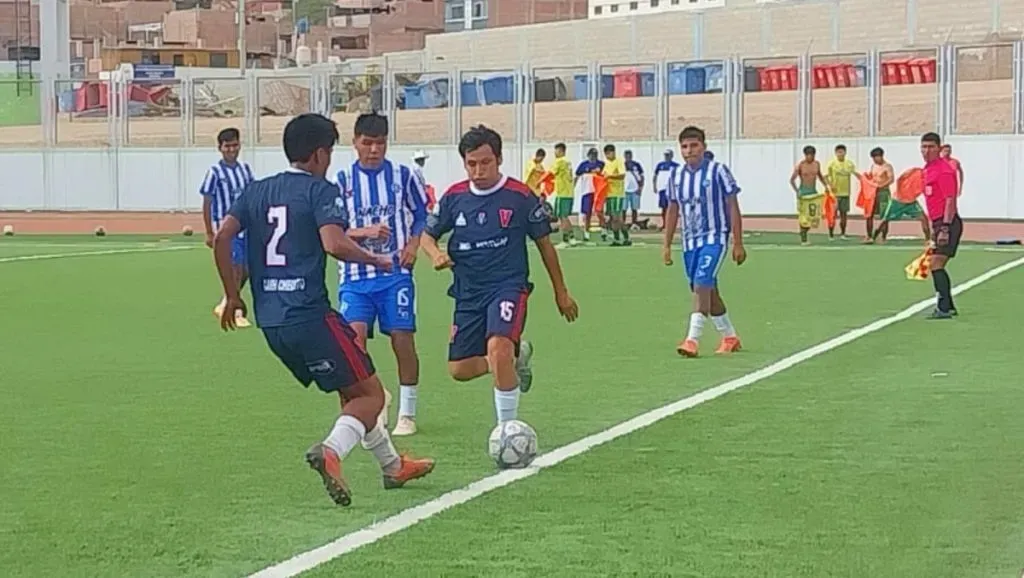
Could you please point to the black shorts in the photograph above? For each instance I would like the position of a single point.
(322, 350)
(956, 230)
(475, 322)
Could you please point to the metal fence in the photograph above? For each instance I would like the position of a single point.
(949, 89)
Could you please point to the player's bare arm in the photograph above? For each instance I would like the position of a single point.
(340, 246)
(229, 229)
(739, 252)
(439, 258)
(821, 178)
(793, 178)
(208, 219)
(549, 256)
(671, 222)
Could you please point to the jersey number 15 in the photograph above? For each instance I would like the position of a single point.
(278, 217)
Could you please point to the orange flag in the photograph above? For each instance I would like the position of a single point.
(909, 186)
(600, 191)
(866, 197)
(431, 197)
(918, 269)
(830, 210)
(547, 184)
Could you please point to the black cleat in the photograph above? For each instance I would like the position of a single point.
(938, 314)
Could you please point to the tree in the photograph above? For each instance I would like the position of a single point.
(314, 10)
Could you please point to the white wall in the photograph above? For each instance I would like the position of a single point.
(167, 179)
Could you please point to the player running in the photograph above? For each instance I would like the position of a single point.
(387, 210)
(223, 184)
(293, 219)
(941, 187)
(704, 193)
(490, 217)
(562, 171)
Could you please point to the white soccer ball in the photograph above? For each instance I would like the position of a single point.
(513, 444)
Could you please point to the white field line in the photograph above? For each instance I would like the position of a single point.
(46, 256)
(411, 516)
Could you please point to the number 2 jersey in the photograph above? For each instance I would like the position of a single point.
(489, 230)
(282, 216)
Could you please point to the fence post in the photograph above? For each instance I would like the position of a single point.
(739, 88)
(456, 103)
(661, 122)
(1018, 86)
(803, 96)
(872, 80)
(594, 89)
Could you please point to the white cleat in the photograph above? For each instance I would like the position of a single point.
(241, 322)
(219, 310)
(524, 366)
(406, 426)
(573, 242)
(562, 245)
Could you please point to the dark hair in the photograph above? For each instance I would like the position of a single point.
(709, 155)
(877, 152)
(932, 137)
(306, 133)
(947, 146)
(371, 124)
(228, 135)
(809, 150)
(540, 153)
(560, 146)
(692, 132)
(840, 147)
(627, 152)
(477, 137)
(591, 151)
(609, 148)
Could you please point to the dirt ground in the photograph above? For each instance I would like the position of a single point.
(41, 222)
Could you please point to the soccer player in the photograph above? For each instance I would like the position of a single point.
(883, 175)
(615, 171)
(947, 153)
(703, 193)
(894, 209)
(584, 172)
(940, 194)
(534, 172)
(490, 217)
(662, 172)
(564, 192)
(293, 219)
(634, 185)
(387, 209)
(808, 199)
(223, 184)
(840, 171)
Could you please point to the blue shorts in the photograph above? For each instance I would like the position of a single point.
(474, 323)
(587, 204)
(390, 301)
(238, 251)
(322, 350)
(662, 199)
(702, 264)
(632, 202)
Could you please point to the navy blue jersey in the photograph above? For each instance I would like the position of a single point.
(282, 216)
(489, 233)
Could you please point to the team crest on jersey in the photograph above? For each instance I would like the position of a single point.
(460, 221)
(505, 217)
(481, 218)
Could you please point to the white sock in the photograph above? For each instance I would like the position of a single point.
(347, 432)
(696, 326)
(407, 401)
(724, 325)
(506, 404)
(378, 442)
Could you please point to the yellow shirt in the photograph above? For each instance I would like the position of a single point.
(562, 169)
(839, 174)
(616, 187)
(533, 174)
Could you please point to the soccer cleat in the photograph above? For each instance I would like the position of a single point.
(688, 348)
(241, 321)
(562, 245)
(938, 314)
(524, 366)
(219, 310)
(325, 462)
(954, 312)
(573, 242)
(728, 345)
(408, 470)
(406, 426)
(627, 243)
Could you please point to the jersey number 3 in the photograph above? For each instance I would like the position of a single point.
(278, 217)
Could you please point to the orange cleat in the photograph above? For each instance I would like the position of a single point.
(688, 348)
(728, 345)
(325, 462)
(410, 469)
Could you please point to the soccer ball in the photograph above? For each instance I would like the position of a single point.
(513, 444)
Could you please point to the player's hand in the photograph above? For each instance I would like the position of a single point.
(408, 257)
(567, 307)
(384, 263)
(209, 240)
(739, 253)
(666, 256)
(442, 261)
(378, 232)
(234, 308)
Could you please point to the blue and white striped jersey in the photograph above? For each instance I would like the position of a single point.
(224, 184)
(390, 194)
(702, 193)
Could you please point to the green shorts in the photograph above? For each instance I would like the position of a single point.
(843, 205)
(563, 207)
(898, 211)
(882, 198)
(614, 205)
